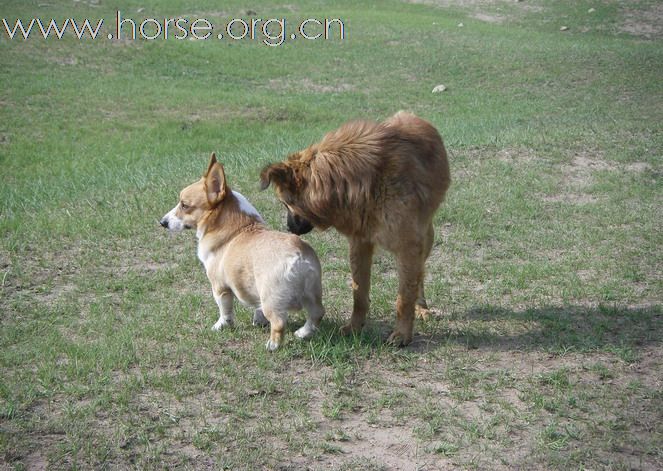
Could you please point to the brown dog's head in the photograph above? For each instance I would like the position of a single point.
(197, 199)
(287, 178)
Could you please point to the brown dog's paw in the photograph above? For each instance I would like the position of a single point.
(349, 329)
(398, 339)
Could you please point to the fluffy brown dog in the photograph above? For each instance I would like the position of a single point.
(376, 183)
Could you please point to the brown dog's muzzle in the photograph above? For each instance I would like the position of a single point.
(298, 225)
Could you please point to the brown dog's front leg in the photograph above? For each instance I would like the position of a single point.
(361, 258)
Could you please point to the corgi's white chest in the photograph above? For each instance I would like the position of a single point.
(204, 254)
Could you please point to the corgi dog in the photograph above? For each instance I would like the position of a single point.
(272, 272)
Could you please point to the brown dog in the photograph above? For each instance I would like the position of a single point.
(376, 183)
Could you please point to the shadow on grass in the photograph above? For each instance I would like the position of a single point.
(624, 332)
(573, 328)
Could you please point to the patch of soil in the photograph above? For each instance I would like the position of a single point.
(309, 85)
(393, 447)
(455, 3)
(480, 7)
(571, 198)
(579, 172)
(649, 368)
(489, 18)
(645, 23)
(590, 161)
(36, 460)
(516, 156)
(638, 167)
(63, 60)
(49, 276)
(207, 14)
(383, 440)
(215, 113)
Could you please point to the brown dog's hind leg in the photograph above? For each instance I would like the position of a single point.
(361, 258)
(410, 273)
(421, 307)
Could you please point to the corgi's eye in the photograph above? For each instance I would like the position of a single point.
(184, 206)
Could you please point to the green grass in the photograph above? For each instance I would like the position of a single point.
(545, 351)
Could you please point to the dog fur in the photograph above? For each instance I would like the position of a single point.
(376, 183)
(271, 271)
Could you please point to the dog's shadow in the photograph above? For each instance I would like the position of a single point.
(571, 328)
(490, 328)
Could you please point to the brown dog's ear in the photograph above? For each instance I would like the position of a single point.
(212, 161)
(280, 174)
(215, 183)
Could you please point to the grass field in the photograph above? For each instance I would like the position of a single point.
(545, 350)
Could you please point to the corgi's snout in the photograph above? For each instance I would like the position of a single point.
(171, 222)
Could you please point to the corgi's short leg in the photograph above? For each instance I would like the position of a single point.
(314, 311)
(277, 323)
(226, 314)
(259, 318)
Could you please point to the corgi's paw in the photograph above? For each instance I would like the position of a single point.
(271, 345)
(222, 324)
(259, 318)
(305, 332)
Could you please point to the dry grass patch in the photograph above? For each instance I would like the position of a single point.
(643, 22)
(308, 85)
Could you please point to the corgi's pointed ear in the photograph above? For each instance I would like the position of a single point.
(212, 161)
(280, 174)
(215, 183)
